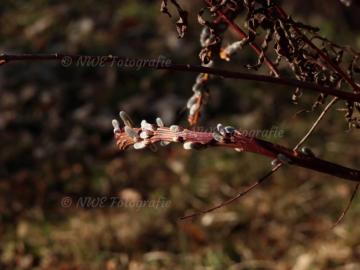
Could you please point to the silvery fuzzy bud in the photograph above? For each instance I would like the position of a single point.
(145, 134)
(174, 128)
(217, 137)
(140, 145)
(306, 151)
(187, 145)
(126, 119)
(131, 132)
(220, 128)
(116, 126)
(159, 122)
(230, 130)
(146, 126)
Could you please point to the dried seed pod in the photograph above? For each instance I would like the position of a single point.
(201, 78)
(197, 88)
(116, 126)
(296, 95)
(126, 119)
(191, 101)
(159, 122)
(194, 108)
(226, 53)
(306, 151)
(131, 133)
(204, 36)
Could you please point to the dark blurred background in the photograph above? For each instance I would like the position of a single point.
(56, 142)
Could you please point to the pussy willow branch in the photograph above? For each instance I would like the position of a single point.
(224, 137)
(243, 35)
(7, 58)
(271, 172)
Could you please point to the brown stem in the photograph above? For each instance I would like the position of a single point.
(7, 58)
(263, 78)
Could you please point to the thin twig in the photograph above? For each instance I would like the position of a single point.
(235, 197)
(267, 175)
(347, 207)
(347, 78)
(326, 109)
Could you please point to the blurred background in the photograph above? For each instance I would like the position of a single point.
(56, 142)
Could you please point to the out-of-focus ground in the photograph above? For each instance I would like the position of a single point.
(56, 142)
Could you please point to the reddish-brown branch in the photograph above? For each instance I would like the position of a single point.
(7, 58)
(267, 79)
(237, 141)
(273, 170)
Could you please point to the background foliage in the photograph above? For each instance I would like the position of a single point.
(56, 141)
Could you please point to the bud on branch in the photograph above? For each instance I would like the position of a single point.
(149, 134)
